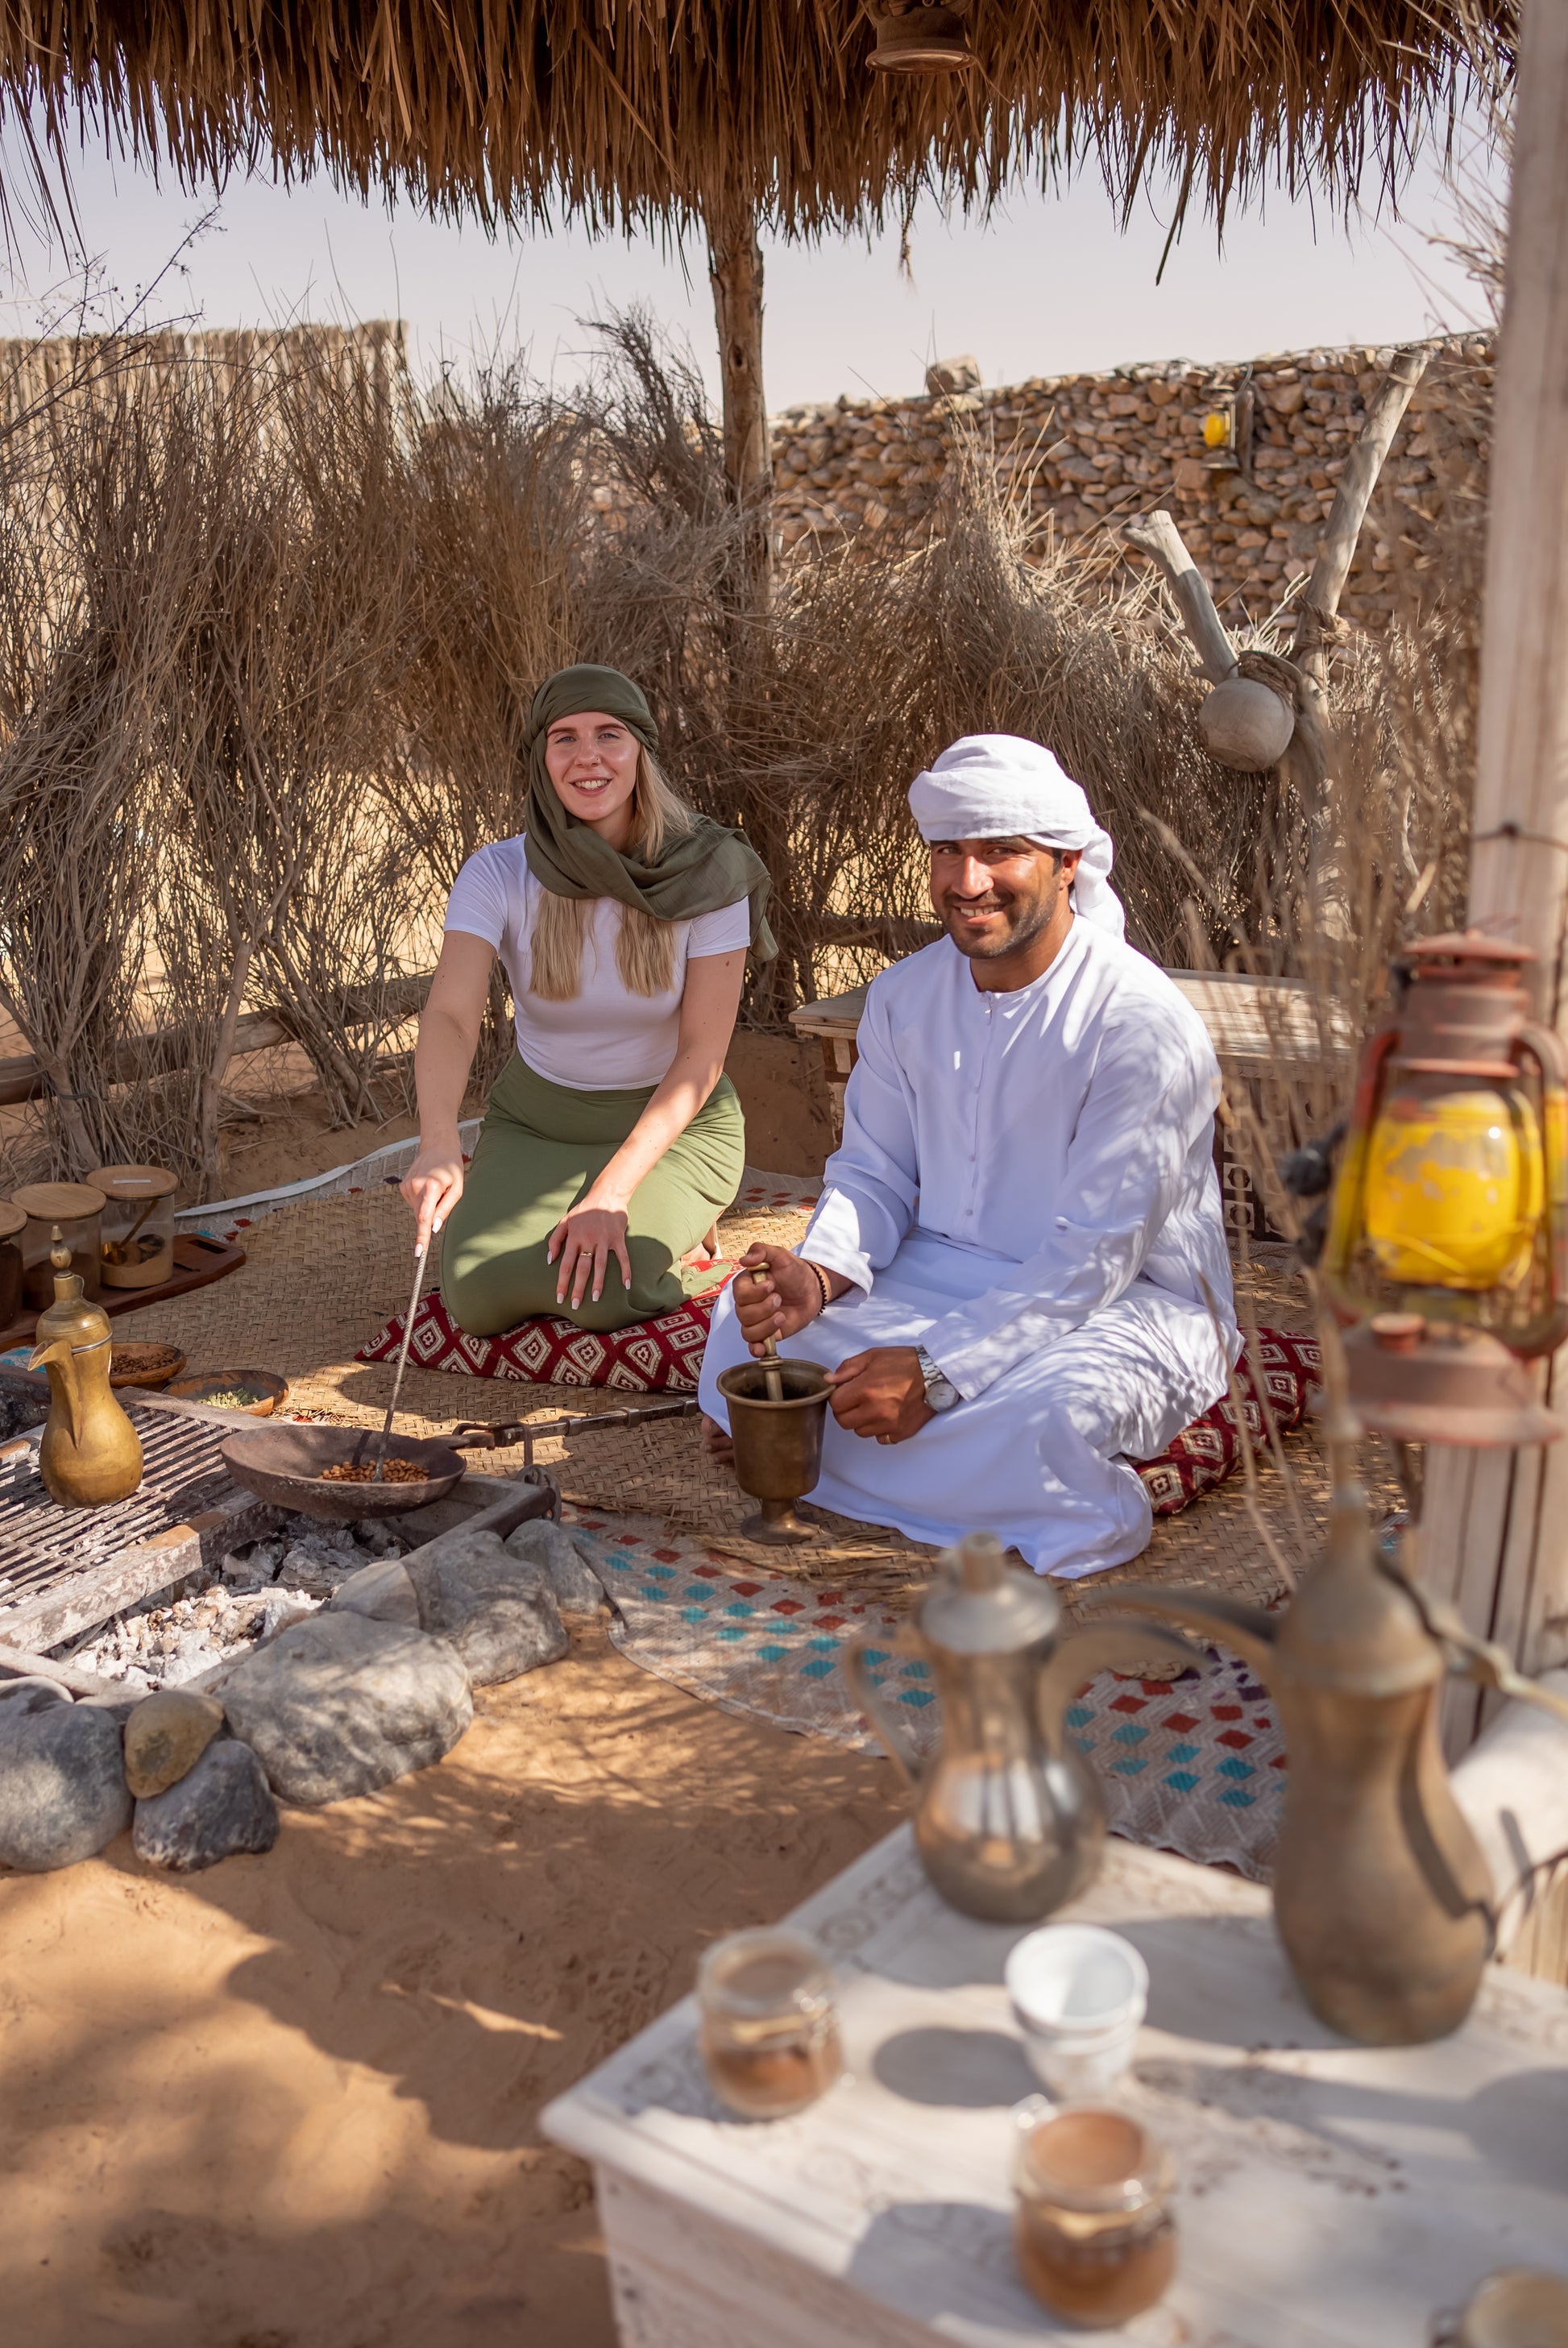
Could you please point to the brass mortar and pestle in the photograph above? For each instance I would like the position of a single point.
(777, 1410)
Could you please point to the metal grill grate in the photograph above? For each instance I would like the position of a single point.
(42, 1543)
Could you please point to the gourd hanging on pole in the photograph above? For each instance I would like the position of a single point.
(1264, 709)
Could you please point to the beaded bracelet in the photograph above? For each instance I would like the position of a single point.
(822, 1282)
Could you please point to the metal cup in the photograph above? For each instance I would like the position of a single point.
(777, 1445)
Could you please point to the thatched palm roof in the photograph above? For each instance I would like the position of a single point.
(626, 110)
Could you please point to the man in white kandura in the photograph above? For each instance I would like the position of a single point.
(1017, 1271)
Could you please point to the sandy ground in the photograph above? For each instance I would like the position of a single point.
(292, 2103)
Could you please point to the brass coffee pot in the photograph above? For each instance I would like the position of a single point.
(90, 1452)
(1383, 1901)
(1009, 1819)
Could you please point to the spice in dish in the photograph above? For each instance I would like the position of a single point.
(363, 1472)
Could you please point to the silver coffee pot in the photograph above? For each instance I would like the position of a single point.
(1009, 1820)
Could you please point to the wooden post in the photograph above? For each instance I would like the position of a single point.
(1495, 1524)
(1342, 531)
(735, 267)
(1157, 536)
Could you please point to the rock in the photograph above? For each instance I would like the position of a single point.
(30, 1696)
(458, 1550)
(497, 1609)
(341, 1705)
(574, 1585)
(953, 375)
(221, 1805)
(62, 1785)
(382, 1591)
(165, 1735)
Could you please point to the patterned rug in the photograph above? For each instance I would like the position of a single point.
(1193, 1765)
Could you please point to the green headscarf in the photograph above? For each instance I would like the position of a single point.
(696, 870)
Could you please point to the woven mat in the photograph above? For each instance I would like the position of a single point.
(1195, 1766)
(323, 1275)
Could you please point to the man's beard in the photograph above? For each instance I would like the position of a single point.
(1025, 920)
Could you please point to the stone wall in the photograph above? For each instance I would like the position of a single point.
(1079, 451)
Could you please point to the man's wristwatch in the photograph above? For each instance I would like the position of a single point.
(941, 1394)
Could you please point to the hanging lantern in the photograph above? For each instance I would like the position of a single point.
(919, 37)
(1415, 1381)
(1451, 1201)
(1219, 450)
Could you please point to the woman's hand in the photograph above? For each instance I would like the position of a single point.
(584, 1241)
(432, 1186)
(776, 1294)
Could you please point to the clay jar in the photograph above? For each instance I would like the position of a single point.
(136, 1231)
(13, 1223)
(1092, 2228)
(76, 1209)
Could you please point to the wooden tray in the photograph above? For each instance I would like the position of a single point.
(198, 1261)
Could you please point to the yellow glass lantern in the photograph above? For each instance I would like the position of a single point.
(1451, 1199)
(1216, 430)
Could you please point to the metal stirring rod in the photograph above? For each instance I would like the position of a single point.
(772, 1376)
(398, 1374)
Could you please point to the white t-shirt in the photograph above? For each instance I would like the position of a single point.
(605, 1039)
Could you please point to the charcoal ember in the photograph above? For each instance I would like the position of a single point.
(378, 1539)
(254, 1563)
(341, 1706)
(220, 1806)
(62, 1785)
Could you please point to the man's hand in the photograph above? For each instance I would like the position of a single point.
(881, 1393)
(781, 1302)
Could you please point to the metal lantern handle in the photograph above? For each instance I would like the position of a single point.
(1549, 1329)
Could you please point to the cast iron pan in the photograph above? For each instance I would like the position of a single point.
(284, 1465)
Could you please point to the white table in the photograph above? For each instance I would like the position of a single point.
(1331, 2196)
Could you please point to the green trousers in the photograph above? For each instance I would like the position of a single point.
(540, 1146)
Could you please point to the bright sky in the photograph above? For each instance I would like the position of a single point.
(1050, 286)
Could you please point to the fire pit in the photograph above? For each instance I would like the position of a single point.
(64, 1570)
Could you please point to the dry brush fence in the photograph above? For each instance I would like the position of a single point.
(268, 635)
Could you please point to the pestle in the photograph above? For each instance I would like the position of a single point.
(773, 1377)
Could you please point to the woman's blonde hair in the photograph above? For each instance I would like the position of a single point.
(644, 948)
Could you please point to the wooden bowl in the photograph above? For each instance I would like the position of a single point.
(268, 1391)
(144, 1364)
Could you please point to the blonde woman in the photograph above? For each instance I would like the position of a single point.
(612, 1139)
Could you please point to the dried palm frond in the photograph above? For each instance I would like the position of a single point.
(632, 111)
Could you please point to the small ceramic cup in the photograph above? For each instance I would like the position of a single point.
(1079, 1995)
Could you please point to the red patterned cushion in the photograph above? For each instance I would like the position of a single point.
(1209, 1450)
(660, 1356)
